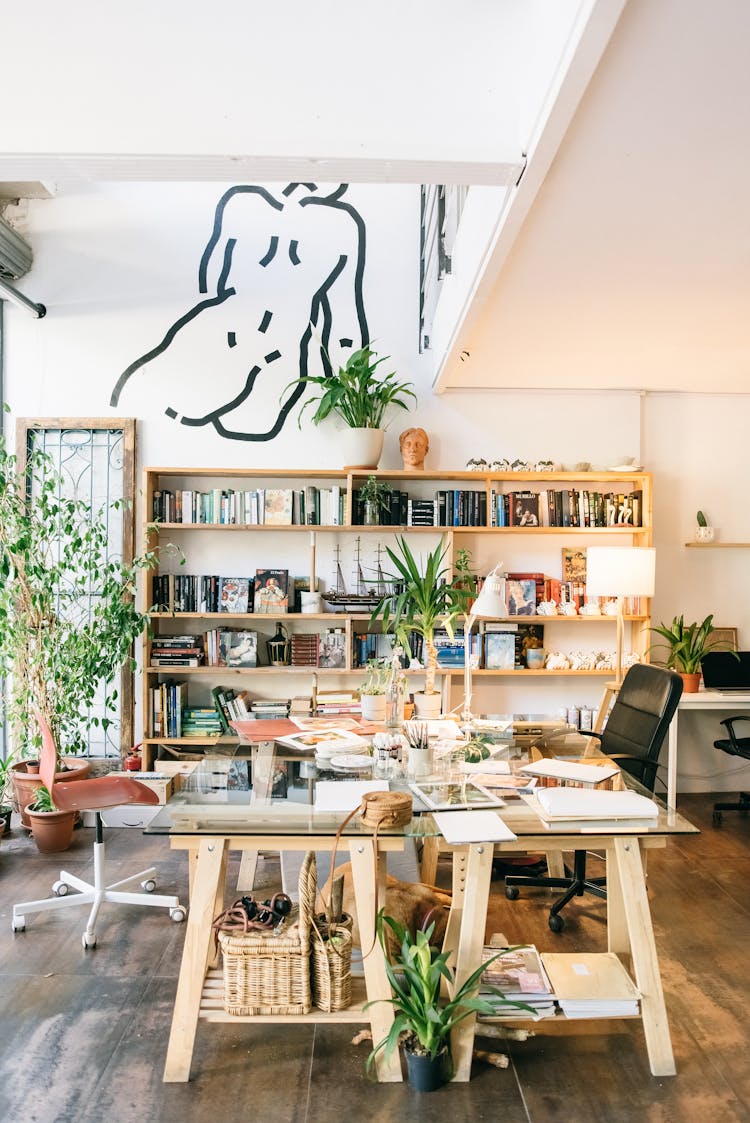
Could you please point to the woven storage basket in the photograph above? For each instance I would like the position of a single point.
(268, 974)
(332, 966)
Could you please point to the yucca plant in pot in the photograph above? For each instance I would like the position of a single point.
(686, 645)
(59, 644)
(425, 600)
(424, 1020)
(359, 396)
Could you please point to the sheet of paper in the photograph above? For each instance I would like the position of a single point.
(344, 795)
(498, 767)
(458, 827)
(569, 770)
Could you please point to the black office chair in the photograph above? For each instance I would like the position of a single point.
(734, 746)
(633, 737)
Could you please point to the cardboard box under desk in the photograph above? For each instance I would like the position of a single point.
(164, 787)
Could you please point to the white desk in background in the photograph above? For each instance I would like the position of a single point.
(703, 700)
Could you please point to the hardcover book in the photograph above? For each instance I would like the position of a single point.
(238, 649)
(271, 591)
(521, 597)
(234, 594)
(500, 651)
(278, 506)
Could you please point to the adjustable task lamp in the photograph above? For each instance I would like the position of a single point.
(489, 605)
(620, 571)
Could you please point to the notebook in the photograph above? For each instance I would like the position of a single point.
(726, 671)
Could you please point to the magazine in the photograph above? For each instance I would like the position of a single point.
(330, 740)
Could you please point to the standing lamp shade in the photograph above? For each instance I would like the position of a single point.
(489, 605)
(620, 571)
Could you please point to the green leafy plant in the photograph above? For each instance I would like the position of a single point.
(416, 976)
(701, 519)
(377, 678)
(58, 644)
(465, 578)
(477, 749)
(375, 493)
(686, 644)
(42, 801)
(425, 601)
(5, 779)
(357, 392)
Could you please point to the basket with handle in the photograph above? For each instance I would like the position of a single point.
(266, 973)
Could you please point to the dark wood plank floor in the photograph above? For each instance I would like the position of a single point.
(83, 1034)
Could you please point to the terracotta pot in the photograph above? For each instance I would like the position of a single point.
(690, 683)
(25, 783)
(52, 830)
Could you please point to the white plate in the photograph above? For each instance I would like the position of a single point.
(350, 760)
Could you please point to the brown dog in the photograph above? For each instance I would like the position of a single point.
(411, 904)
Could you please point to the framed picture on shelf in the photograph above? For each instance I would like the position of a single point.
(724, 639)
(499, 651)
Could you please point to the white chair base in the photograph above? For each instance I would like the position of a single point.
(98, 894)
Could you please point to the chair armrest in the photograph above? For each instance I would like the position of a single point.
(729, 722)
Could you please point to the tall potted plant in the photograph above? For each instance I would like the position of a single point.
(359, 396)
(58, 643)
(424, 1020)
(425, 600)
(686, 645)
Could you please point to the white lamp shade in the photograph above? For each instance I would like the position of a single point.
(490, 604)
(620, 571)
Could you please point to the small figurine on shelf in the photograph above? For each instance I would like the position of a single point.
(394, 693)
(414, 445)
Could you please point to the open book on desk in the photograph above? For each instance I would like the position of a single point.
(592, 807)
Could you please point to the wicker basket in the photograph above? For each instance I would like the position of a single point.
(268, 974)
(331, 965)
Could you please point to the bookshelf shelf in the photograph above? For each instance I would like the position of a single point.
(290, 546)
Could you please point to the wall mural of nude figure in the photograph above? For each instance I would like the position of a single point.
(282, 277)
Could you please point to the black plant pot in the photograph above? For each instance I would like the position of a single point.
(425, 1073)
(5, 813)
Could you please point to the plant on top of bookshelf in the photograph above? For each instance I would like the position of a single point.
(426, 601)
(58, 645)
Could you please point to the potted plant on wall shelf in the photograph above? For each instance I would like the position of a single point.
(425, 600)
(58, 645)
(359, 396)
(686, 645)
(424, 1020)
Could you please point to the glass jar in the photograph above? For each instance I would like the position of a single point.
(394, 696)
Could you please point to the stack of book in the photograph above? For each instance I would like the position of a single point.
(201, 722)
(300, 706)
(591, 985)
(166, 704)
(519, 973)
(230, 705)
(305, 650)
(338, 702)
(421, 512)
(177, 651)
(265, 708)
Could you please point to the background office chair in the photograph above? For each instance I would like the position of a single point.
(734, 746)
(94, 795)
(633, 737)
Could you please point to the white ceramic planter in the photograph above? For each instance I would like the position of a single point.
(427, 706)
(373, 707)
(361, 448)
(704, 534)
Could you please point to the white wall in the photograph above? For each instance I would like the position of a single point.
(117, 264)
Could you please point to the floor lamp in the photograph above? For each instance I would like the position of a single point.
(620, 571)
(489, 605)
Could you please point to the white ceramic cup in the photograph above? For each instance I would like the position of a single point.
(311, 602)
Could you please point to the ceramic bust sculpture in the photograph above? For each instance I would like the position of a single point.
(414, 445)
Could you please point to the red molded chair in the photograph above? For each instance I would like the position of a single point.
(94, 795)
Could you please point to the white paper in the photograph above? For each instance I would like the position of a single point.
(569, 770)
(586, 803)
(344, 795)
(472, 826)
(496, 767)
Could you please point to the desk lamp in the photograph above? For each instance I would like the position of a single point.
(489, 605)
(620, 571)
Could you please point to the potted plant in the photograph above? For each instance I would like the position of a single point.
(359, 396)
(6, 807)
(372, 691)
(425, 600)
(424, 1020)
(686, 645)
(465, 580)
(703, 532)
(375, 497)
(57, 644)
(52, 829)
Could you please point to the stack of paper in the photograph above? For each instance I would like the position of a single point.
(591, 985)
(575, 804)
(458, 827)
(520, 975)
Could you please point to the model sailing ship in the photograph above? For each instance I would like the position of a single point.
(366, 596)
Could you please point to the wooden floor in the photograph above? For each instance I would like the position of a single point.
(83, 1034)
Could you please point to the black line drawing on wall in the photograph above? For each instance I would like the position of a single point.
(280, 276)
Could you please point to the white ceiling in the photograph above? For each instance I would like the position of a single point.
(631, 268)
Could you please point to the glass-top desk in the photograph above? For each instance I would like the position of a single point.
(210, 824)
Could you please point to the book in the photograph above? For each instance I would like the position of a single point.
(574, 572)
(521, 597)
(238, 648)
(277, 510)
(234, 594)
(332, 654)
(500, 650)
(271, 591)
(590, 985)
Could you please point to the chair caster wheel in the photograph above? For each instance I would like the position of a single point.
(556, 923)
(716, 818)
(178, 914)
(18, 925)
(512, 892)
(88, 941)
(148, 886)
(60, 889)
